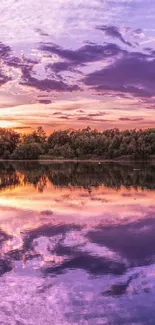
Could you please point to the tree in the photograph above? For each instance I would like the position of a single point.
(8, 140)
(27, 151)
(59, 138)
(6, 155)
(82, 144)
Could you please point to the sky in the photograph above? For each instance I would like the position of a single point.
(74, 63)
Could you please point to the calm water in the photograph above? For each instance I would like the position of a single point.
(77, 244)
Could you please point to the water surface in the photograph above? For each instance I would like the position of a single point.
(77, 243)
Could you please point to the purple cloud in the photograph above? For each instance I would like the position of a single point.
(41, 32)
(46, 84)
(133, 73)
(84, 118)
(26, 65)
(138, 31)
(96, 114)
(80, 57)
(131, 119)
(6, 54)
(5, 50)
(45, 101)
(57, 113)
(87, 118)
(114, 32)
(4, 79)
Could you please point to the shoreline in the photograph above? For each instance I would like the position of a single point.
(119, 160)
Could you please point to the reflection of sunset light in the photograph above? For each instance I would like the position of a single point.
(102, 202)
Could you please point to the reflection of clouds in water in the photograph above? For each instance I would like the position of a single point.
(68, 252)
(24, 304)
(74, 298)
(136, 194)
(133, 241)
(97, 250)
(100, 203)
(70, 299)
(26, 223)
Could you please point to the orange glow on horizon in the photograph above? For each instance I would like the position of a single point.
(8, 124)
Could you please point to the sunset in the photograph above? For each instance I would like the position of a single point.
(77, 162)
(77, 63)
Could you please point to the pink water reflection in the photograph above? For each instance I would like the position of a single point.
(67, 246)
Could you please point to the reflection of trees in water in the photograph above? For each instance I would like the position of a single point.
(9, 177)
(32, 174)
(85, 175)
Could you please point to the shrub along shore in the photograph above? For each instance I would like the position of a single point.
(83, 144)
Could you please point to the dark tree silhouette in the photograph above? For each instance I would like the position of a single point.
(78, 144)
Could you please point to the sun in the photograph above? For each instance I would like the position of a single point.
(8, 124)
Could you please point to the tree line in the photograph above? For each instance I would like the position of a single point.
(78, 144)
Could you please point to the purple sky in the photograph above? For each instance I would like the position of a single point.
(73, 63)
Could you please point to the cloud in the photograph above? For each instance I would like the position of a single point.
(9, 60)
(88, 118)
(131, 119)
(96, 114)
(133, 73)
(71, 53)
(86, 53)
(46, 84)
(57, 113)
(21, 62)
(83, 118)
(45, 101)
(80, 57)
(4, 50)
(22, 127)
(4, 79)
(114, 32)
(41, 32)
(138, 31)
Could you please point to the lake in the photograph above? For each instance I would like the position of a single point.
(77, 243)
